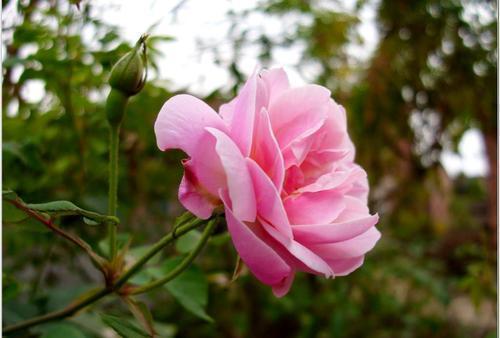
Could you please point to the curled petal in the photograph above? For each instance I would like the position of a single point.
(282, 288)
(193, 198)
(259, 256)
(308, 258)
(354, 247)
(343, 267)
(276, 81)
(265, 150)
(341, 180)
(181, 123)
(242, 122)
(269, 204)
(334, 232)
(239, 182)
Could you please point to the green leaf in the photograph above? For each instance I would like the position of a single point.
(62, 330)
(123, 327)
(57, 208)
(165, 330)
(142, 314)
(89, 221)
(190, 288)
(188, 242)
(66, 208)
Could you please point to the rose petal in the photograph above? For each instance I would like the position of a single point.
(269, 204)
(239, 182)
(298, 112)
(276, 81)
(242, 122)
(320, 207)
(307, 257)
(226, 111)
(193, 201)
(354, 247)
(181, 123)
(343, 267)
(340, 179)
(265, 150)
(281, 289)
(335, 232)
(260, 258)
(354, 209)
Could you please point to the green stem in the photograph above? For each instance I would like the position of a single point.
(177, 232)
(101, 293)
(183, 265)
(114, 134)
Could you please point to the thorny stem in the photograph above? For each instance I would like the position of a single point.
(102, 292)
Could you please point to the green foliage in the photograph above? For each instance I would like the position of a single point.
(190, 289)
(62, 330)
(124, 328)
(187, 243)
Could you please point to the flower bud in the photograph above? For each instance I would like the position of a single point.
(128, 75)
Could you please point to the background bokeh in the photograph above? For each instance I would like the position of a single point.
(414, 76)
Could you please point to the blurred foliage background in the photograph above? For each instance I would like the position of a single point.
(432, 76)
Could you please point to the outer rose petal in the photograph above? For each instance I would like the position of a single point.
(226, 111)
(282, 288)
(242, 122)
(260, 258)
(239, 182)
(193, 200)
(343, 267)
(182, 121)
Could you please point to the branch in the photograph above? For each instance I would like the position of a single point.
(102, 292)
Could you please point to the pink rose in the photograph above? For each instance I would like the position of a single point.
(281, 162)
